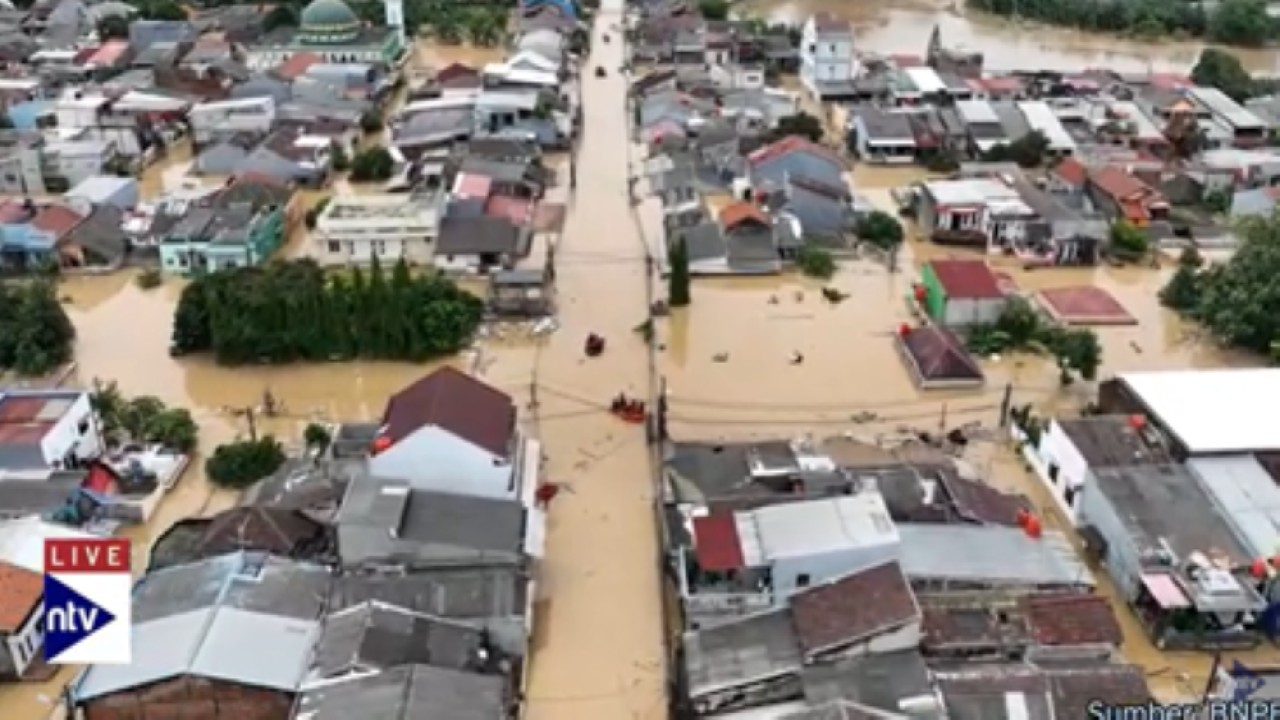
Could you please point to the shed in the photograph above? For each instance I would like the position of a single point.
(960, 293)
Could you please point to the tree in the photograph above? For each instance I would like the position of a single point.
(174, 428)
(317, 436)
(1221, 69)
(1183, 292)
(340, 161)
(484, 26)
(816, 261)
(113, 27)
(238, 465)
(142, 419)
(802, 124)
(1076, 350)
(314, 213)
(1128, 242)
(1146, 18)
(1185, 135)
(678, 282)
(1241, 22)
(161, 10)
(1027, 151)
(714, 9)
(371, 122)
(293, 312)
(880, 229)
(36, 336)
(280, 16)
(374, 163)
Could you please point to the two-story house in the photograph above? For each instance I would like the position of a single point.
(451, 432)
(827, 62)
(21, 619)
(217, 121)
(1246, 128)
(354, 229)
(29, 234)
(241, 226)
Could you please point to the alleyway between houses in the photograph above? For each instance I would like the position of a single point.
(597, 653)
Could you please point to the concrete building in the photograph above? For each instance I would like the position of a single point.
(353, 229)
(215, 121)
(827, 62)
(331, 29)
(42, 430)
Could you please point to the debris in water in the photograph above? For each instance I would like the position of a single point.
(833, 295)
(1136, 347)
(545, 326)
(799, 296)
(594, 346)
(796, 357)
(773, 299)
(720, 357)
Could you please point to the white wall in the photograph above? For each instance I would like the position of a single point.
(24, 645)
(969, 311)
(434, 459)
(825, 567)
(330, 251)
(67, 435)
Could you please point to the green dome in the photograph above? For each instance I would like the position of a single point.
(327, 22)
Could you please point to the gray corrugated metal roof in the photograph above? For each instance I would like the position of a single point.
(1246, 496)
(415, 692)
(242, 617)
(377, 636)
(994, 555)
(741, 652)
(467, 592)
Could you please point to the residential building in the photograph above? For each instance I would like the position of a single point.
(409, 692)
(217, 121)
(450, 432)
(242, 226)
(750, 239)
(289, 156)
(960, 293)
(973, 211)
(1041, 118)
(66, 163)
(996, 625)
(355, 229)
(771, 165)
(883, 136)
(1246, 129)
(480, 243)
(827, 59)
(1120, 195)
(21, 619)
(46, 430)
(236, 631)
(280, 531)
(938, 358)
(21, 169)
(120, 193)
(982, 126)
(822, 209)
(29, 234)
(97, 241)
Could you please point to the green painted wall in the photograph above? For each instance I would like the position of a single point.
(935, 297)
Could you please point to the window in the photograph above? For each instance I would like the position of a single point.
(379, 247)
(83, 427)
(802, 580)
(1070, 496)
(1053, 472)
(335, 246)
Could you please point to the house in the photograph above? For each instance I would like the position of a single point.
(521, 293)
(29, 234)
(467, 426)
(457, 78)
(704, 246)
(47, 430)
(770, 166)
(1012, 690)
(355, 229)
(1122, 196)
(656, 81)
(216, 121)
(938, 358)
(1170, 554)
(982, 126)
(995, 625)
(751, 244)
(121, 193)
(387, 522)
(751, 661)
(288, 156)
(430, 128)
(871, 611)
(1041, 118)
(985, 212)
(409, 692)
(1255, 202)
(716, 145)
(224, 157)
(242, 226)
(1247, 129)
(517, 112)
(942, 556)
(478, 244)
(98, 241)
(239, 627)
(827, 59)
(279, 531)
(960, 293)
(21, 619)
(821, 208)
(517, 177)
(883, 136)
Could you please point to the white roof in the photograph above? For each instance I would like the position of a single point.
(971, 191)
(1041, 117)
(925, 79)
(1213, 411)
(22, 541)
(977, 112)
(817, 526)
(1246, 496)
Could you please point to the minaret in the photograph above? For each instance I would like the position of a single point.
(395, 19)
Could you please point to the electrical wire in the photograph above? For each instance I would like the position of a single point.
(948, 411)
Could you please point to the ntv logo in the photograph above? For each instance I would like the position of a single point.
(87, 601)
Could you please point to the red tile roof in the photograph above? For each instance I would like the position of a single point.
(788, 145)
(966, 279)
(1072, 171)
(12, 212)
(455, 70)
(853, 608)
(56, 219)
(456, 402)
(109, 53)
(734, 214)
(940, 356)
(295, 66)
(1116, 182)
(518, 210)
(1073, 619)
(20, 592)
(716, 543)
(472, 186)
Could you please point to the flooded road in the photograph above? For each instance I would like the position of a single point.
(886, 27)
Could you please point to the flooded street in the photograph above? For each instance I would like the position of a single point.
(904, 28)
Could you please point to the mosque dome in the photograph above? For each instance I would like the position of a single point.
(328, 22)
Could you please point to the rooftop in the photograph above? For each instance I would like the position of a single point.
(1106, 441)
(1213, 411)
(413, 692)
(455, 402)
(20, 591)
(967, 279)
(26, 417)
(990, 555)
(371, 207)
(1246, 494)
(244, 618)
(456, 592)
(1163, 508)
(970, 192)
(882, 681)
(741, 652)
(815, 526)
(938, 356)
(852, 609)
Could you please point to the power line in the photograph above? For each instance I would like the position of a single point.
(849, 420)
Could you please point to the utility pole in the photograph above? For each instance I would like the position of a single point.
(251, 416)
(662, 409)
(942, 423)
(1006, 405)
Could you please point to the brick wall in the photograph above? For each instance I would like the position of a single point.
(191, 698)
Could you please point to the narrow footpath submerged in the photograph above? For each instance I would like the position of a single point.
(598, 648)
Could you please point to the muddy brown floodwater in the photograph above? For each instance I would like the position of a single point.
(904, 27)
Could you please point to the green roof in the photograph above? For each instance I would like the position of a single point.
(329, 21)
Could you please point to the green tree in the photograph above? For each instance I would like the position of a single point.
(1182, 293)
(1221, 69)
(174, 428)
(341, 161)
(816, 261)
(371, 122)
(142, 419)
(1239, 301)
(802, 124)
(714, 9)
(1027, 151)
(280, 16)
(1145, 18)
(239, 465)
(292, 311)
(1077, 350)
(1240, 22)
(36, 336)
(113, 27)
(880, 229)
(484, 26)
(161, 10)
(1128, 242)
(317, 436)
(679, 293)
(374, 163)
